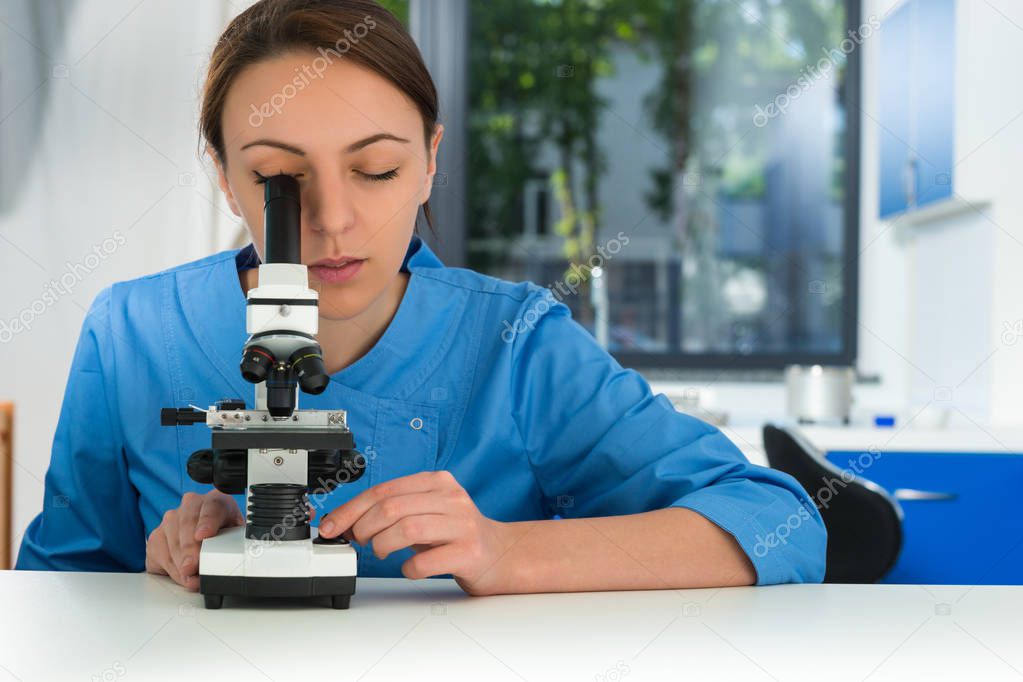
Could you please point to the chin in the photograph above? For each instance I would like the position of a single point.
(341, 305)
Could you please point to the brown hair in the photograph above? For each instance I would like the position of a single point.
(360, 30)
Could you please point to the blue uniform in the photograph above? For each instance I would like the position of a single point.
(489, 379)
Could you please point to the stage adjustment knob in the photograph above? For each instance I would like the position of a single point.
(200, 466)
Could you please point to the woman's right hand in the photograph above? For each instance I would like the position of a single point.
(173, 548)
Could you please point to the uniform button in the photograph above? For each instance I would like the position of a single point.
(416, 423)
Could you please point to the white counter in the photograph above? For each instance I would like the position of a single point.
(140, 627)
(859, 439)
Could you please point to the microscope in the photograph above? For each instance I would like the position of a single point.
(276, 453)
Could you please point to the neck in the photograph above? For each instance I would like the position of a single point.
(345, 341)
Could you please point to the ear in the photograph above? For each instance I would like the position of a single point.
(222, 181)
(431, 166)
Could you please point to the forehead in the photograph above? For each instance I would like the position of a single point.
(302, 99)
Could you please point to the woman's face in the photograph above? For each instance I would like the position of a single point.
(355, 143)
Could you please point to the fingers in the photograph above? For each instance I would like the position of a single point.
(186, 550)
(440, 560)
(217, 511)
(181, 571)
(424, 529)
(173, 547)
(158, 557)
(157, 554)
(172, 537)
(345, 516)
(387, 512)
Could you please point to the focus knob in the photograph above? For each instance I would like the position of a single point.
(200, 466)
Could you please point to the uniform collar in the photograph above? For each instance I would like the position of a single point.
(408, 352)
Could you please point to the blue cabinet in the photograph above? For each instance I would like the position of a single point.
(916, 111)
(966, 529)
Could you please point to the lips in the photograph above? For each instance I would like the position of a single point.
(335, 262)
(336, 270)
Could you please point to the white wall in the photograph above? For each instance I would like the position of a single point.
(989, 147)
(963, 280)
(98, 127)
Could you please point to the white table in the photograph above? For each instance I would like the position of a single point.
(138, 627)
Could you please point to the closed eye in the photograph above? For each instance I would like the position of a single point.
(380, 177)
(261, 179)
(373, 177)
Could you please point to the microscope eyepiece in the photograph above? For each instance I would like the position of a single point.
(282, 217)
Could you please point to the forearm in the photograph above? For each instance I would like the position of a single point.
(662, 549)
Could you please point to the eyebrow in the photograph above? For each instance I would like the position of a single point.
(353, 147)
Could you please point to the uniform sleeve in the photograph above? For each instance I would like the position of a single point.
(90, 519)
(602, 444)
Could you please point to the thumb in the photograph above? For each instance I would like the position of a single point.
(216, 513)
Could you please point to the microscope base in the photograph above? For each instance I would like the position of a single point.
(215, 587)
(232, 565)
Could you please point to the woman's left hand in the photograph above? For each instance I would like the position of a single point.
(431, 513)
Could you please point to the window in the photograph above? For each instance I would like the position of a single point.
(398, 8)
(702, 154)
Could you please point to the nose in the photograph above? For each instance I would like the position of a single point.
(328, 205)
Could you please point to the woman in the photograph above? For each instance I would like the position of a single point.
(505, 447)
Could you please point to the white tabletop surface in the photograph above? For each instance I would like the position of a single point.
(104, 626)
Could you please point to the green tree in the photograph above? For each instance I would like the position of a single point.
(534, 70)
(398, 8)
